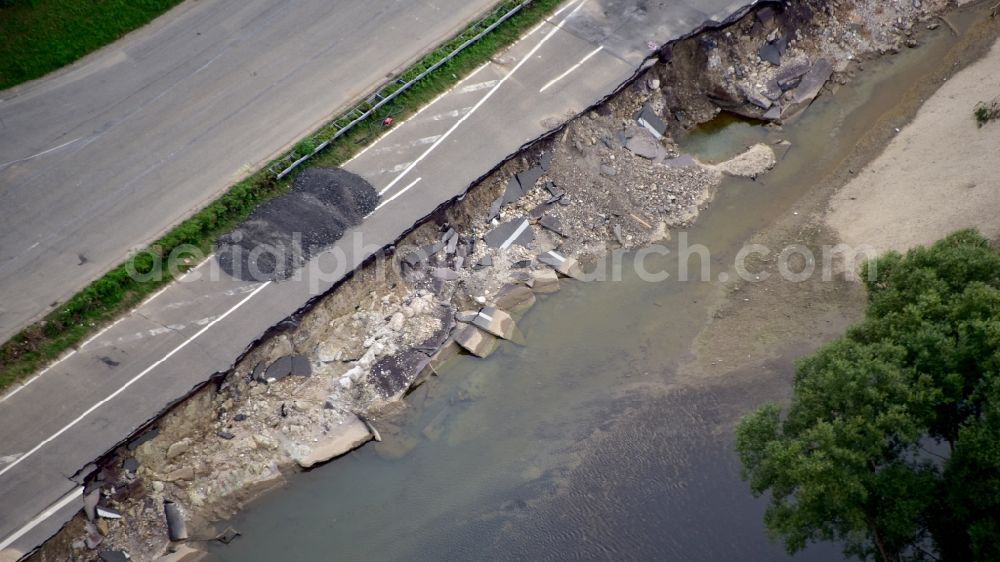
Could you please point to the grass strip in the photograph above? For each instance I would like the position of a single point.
(118, 291)
(39, 36)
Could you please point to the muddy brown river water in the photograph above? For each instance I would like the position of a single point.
(585, 443)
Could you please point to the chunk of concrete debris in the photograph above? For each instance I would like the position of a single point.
(756, 98)
(476, 341)
(90, 500)
(466, 315)
(348, 436)
(130, 465)
(496, 322)
(565, 266)
(646, 146)
(546, 281)
(178, 448)
(773, 114)
(183, 473)
(514, 298)
(651, 122)
(517, 231)
(92, 538)
(813, 81)
(112, 556)
(176, 526)
(755, 161)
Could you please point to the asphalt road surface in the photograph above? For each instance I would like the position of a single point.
(129, 372)
(152, 128)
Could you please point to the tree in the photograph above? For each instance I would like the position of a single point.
(852, 458)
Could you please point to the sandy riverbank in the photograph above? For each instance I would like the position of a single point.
(940, 174)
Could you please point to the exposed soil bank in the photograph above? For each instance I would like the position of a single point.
(364, 342)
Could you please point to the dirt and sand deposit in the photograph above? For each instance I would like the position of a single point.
(607, 182)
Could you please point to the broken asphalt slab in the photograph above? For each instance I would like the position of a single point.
(517, 231)
(651, 122)
(496, 322)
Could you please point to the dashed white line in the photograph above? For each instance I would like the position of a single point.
(520, 230)
(131, 381)
(485, 98)
(572, 68)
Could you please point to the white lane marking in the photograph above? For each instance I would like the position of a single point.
(152, 333)
(419, 111)
(520, 230)
(476, 87)
(389, 200)
(75, 494)
(42, 153)
(403, 146)
(572, 68)
(392, 170)
(451, 114)
(132, 381)
(531, 53)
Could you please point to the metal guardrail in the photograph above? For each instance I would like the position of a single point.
(388, 92)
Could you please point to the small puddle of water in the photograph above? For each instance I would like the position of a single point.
(724, 137)
(577, 445)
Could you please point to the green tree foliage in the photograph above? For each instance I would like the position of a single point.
(892, 442)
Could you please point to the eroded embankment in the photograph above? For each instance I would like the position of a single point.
(610, 178)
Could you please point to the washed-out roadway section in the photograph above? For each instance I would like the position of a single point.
(89, 401)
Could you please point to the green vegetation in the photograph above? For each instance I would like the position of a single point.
(118, 291)
(39, 36)
(892, 442)
(987, 111)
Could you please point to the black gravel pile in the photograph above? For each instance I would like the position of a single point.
(280, 235)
